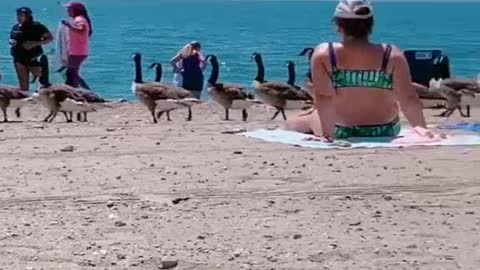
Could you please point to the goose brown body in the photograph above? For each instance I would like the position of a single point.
(53, 95)
(149, 93)
(452, 98)
(275, 94)
(226, 94)
(9, 94)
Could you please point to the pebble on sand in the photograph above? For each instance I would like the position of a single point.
(68, 148)
(297, 236)
(120, 224)
(168, 264)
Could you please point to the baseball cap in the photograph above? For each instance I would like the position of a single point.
(24, 10)
(73, 4)
(348, 9)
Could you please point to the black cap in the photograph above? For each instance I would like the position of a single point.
(24, 10)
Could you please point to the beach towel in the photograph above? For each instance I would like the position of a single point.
(469, 127)
(61, 48)
(407, 138)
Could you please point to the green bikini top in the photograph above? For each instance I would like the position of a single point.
(345, 78)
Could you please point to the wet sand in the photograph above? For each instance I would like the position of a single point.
(119, 192)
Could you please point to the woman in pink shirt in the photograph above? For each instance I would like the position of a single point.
(80, 30)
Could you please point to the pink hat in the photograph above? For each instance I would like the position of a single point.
(73, 4)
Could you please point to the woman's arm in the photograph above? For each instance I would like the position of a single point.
(410, 104)
(323, 91)
(174, 62)
(79, 25)
(202, 61)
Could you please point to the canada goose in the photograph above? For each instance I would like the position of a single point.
(308, 52)
(453, 98)
(275, 94)
(464, 86)
(291, 80)
(89, 97)
(152, 92)
(14, 98)
(59, 97)
(158, 78)
(227, 95)
(461, 83)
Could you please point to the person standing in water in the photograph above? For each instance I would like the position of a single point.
(192, 66)
(79, 32)
(26, 40)
(357, 84)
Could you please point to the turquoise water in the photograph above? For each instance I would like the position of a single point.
(234, 29)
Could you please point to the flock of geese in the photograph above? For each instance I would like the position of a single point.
(162, 98)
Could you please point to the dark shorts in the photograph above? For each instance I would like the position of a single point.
(26, 60)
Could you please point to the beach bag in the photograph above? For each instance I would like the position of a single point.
(427, 64)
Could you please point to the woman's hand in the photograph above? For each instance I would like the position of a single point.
(426, 133)
(321, 138)
(66, 23)
(28, 45)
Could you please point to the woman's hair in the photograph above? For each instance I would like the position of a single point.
(190, 49)
(356, 28)
(27, 12)
(79, 9)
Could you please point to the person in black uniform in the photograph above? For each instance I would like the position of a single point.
(26, 40)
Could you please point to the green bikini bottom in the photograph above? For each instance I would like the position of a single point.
(391, 129)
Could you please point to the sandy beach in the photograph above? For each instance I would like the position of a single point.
(119, 192)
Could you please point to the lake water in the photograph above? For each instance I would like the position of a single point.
(233, 30)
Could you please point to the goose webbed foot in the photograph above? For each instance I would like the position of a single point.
(244, 115)
(275, 114)
(189, 118)
(283, 114)
(466, 115)
(154, 118)
(48, 117)
(54, 114)
(227, 115)
(68, 117)
(5, 118)
(168, 116)
(446, 113)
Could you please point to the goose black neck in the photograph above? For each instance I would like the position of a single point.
(260, 70)
(215, 72)
(138, 71)
(44, 78)
(158, 73)
(291, 74)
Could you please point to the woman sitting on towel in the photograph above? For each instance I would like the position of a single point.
(79, 32)
(356, 84)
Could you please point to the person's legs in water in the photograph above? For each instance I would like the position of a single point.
(194, 84)
(23, 75)
(73, 69)
(83, 84)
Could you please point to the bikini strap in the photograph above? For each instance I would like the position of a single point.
(386, 57)
(333, 58)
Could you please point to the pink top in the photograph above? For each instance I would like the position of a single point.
(78, 41)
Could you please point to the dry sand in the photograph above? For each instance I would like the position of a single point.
(106, 200)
